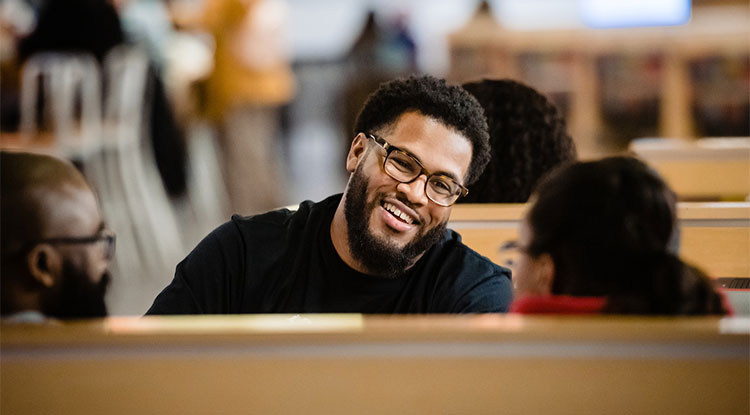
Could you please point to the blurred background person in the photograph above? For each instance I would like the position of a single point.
(55, 246)
(17, 20)
(147, 23)
(528, 138)
(382, 51)
(596, 240)
(180, 51)
(93, 26)
(251, 81)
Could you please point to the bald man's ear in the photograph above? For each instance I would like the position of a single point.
(45, 264)
(356, 151)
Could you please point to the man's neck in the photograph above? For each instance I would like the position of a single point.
(340, 239)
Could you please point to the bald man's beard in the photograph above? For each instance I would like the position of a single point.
(78, 296)
(380, 257)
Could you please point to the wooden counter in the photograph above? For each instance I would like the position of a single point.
(345, 364)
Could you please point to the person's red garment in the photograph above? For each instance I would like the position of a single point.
(558, 304)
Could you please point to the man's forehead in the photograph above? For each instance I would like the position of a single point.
(412, 120)
(429, 138)
(68, 210)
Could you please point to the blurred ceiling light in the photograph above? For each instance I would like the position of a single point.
(602, 14)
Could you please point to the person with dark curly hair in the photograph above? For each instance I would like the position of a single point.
(382, 246)
(528, 138)
(597, 240)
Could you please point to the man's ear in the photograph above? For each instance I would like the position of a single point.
(356, 151)
(45, 264)
(546, 273)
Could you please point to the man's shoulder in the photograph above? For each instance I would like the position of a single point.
(273, 217)
(289, 217)
(467, 280)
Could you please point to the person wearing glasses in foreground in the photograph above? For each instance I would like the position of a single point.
(55, 246)
(597, 239)
(382, 246)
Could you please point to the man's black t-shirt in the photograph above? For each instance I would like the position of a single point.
(285, 262)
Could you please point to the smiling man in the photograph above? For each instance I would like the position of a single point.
(382, 246)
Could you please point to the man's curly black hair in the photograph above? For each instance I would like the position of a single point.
(432, 97)
(529, 139)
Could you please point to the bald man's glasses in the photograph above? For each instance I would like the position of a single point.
(106, 236)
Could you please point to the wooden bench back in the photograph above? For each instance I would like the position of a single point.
(704, 169)
(353, 364)
(714, 236)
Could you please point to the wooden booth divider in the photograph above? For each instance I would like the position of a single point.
(354, 364)
(714, 236)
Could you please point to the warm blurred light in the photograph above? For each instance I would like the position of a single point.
(235, 323)
(734, 325)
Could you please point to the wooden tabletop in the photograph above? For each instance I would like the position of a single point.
(356, 327)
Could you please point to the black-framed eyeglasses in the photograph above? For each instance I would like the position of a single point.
(405, 168)
(104, 235)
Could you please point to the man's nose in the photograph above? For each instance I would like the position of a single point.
(415, 190)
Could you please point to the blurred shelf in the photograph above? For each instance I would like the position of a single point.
(615, 85)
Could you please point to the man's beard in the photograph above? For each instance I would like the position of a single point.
(380, 257)
(77, 296)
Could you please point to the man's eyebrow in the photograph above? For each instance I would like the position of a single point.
(448, 175)
(409, 152)
(438, 172)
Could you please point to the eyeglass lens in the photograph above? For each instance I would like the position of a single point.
(109, 252)
(402, 167)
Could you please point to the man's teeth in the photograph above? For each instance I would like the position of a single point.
(399, 214)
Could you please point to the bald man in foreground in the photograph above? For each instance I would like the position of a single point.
(55, 246)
